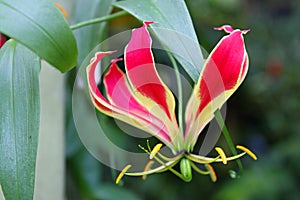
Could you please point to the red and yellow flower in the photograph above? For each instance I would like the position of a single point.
(140, 98)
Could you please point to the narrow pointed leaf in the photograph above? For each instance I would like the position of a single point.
(19, 119)
(176, 33)
(40, 26)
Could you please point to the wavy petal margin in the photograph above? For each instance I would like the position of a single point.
(146, 83)
(222, 74)
(116, 82)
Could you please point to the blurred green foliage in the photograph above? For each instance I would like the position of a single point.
(263, 115)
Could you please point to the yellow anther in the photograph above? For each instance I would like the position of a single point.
(62, 10)
(250, 153)
(222, 154)
(212, 173)
(155, 150)
(147, 167)
(122, 173)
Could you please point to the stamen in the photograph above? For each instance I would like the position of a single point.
(141, 147)
(205, 160)
(147, 167)
(250, 153)
(222, 154)
(212, 173)
(148, 145)
(122, 173)
(155, 150)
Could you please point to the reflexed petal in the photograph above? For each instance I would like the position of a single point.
(117, 110)
(119, 92)
(96, 94)
(146, 83)
(224, 71)
(120, 95)
(143, 75)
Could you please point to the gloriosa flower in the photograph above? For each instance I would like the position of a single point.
(141, 99)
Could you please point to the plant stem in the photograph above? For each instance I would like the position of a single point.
(180, 97)
(99, 20)
(228, 139)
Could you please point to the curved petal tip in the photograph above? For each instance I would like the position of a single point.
(229, 29)
(148, 23)
(116, 60)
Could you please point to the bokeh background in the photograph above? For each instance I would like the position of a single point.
(263, 114)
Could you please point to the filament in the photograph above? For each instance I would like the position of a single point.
(212, 174)
(147, 167)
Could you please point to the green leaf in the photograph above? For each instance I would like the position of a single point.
(41, 27)
(173, 27)
(19, 119)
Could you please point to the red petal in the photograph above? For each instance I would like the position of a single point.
(223, 72)
(121, 96)
(142, 73)
(114, 110)
(223, 68)
(118, 90)
(2, 40)
(147, 86)
(91, 75)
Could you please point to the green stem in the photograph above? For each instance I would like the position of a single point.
(99, 20)
(226, 134)
(169, 168)
(180, 96)
(163, 164)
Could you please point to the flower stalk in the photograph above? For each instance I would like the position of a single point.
(99, 20)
